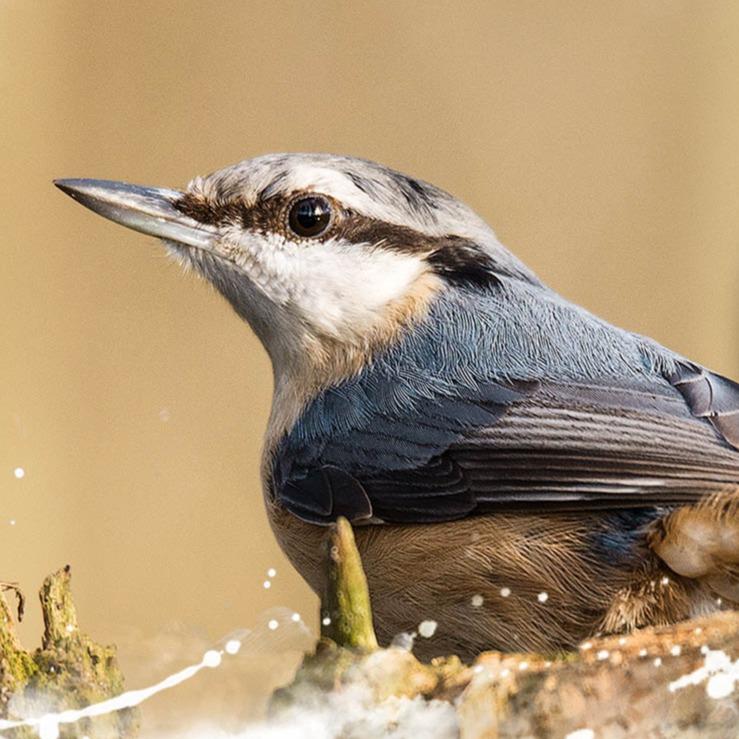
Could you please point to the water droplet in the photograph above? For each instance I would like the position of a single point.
(477, 601)
(505, 592)
(543, 597)
(427, 629)
(295, 617)
(19, 473)
(676, 650)
(602, 654)
(326, 620)
(272, 625)
(212, 658)
(657, 661)
(266, 584)
(232, 646)
(720, 685)
(271, 572)
(581, 734)
(48, 728)
(403, 641)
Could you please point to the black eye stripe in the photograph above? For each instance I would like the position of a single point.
(309, 215)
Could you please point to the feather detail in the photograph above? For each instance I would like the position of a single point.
(710, 396)
(702, 541)
(324, 495)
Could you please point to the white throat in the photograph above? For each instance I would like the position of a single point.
(334, 290)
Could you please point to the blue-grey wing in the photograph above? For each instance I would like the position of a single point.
(529, 445)
(710, 396)
(398, 462)
(598, 447)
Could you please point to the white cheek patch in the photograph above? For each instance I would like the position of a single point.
(347, 286)
(336, 288)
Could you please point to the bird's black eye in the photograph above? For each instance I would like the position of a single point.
(310, 216)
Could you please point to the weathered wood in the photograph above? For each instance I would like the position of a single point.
(69, 671)
(17, 667)
(615, 686)
(629, 685)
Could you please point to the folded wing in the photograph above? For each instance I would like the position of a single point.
(534, 446)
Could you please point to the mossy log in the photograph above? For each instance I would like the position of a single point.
(69, 670)
(660, 682)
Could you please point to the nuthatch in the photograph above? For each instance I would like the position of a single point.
(517, 470)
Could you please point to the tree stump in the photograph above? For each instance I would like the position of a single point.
(69, 671)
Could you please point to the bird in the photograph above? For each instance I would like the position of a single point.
(517, 470)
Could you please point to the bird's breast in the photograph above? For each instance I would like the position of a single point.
(509, 582)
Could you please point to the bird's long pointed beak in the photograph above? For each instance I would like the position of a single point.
(149, 210)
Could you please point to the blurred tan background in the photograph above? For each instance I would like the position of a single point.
(599, 139)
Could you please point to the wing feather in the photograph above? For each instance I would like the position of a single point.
(533, 446)
(710, 396)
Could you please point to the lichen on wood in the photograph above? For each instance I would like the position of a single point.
(17, 667)
(69, 671)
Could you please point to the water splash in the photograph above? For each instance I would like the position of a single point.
(47, 725)
(718, 669)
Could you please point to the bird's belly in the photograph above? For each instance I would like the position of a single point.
(508, 582)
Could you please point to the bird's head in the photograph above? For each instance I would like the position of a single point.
(327, 257)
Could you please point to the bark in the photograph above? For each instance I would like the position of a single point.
(69, 671)
(671, 681)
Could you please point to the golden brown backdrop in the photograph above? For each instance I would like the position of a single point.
(599, 139)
